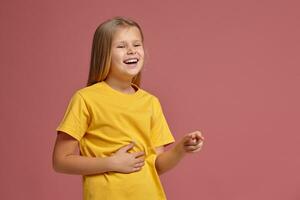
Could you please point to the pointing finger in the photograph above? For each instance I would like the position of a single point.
(138, 154)
(126, 147)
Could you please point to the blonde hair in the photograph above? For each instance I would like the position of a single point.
(101, 49)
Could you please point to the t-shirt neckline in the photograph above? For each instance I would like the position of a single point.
(122, 94)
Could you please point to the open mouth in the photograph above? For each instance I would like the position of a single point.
(131, 61)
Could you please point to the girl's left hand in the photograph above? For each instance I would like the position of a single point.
(192, 142)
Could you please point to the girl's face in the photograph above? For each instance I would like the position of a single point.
(127, 53)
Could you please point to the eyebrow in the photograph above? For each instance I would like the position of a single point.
(122, 41)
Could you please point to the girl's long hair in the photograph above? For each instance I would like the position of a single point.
(101, 49)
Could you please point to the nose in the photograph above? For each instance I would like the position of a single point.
(131, 50)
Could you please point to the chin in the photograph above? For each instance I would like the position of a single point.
(133, 72)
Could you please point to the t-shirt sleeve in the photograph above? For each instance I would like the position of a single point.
(76, 118)
(160, 131)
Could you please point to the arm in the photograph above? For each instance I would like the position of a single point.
(66, 160)
(166, 160)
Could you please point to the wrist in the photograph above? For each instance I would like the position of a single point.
(111, 163)
(179, 150)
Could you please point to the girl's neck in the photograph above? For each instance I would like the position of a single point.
(120, 85)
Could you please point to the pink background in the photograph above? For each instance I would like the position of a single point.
(228, 68)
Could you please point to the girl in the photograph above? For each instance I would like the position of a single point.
(120, 129)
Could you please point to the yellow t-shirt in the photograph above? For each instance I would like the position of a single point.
(103, 120)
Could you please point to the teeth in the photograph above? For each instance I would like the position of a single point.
(131, 61)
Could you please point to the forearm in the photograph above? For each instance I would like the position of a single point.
(168, 159)
(82, 165)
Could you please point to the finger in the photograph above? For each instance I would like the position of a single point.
(197, 150)
(198, 147)
(189, 148)
(190, 142)
(138, 154)
(139, 164)
(139, 160)
(199, 136)
(192, 148)
(135, 169)
(187, 139)
(195, 144)
(127, 147)
(199, 142)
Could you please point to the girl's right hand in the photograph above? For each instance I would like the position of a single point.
(125, 162)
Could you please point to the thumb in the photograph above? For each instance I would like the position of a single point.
(127, 147)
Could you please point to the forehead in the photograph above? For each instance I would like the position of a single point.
(130, 33)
